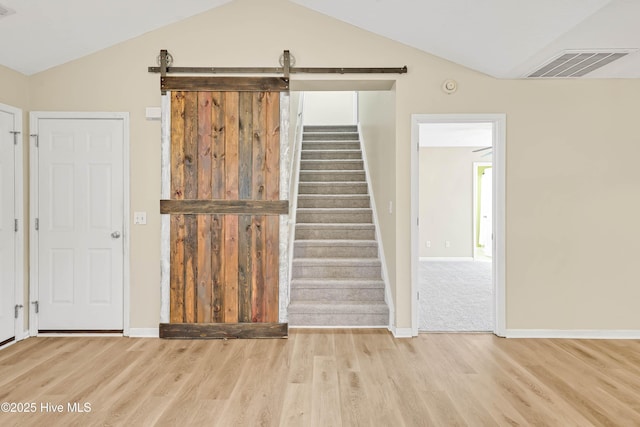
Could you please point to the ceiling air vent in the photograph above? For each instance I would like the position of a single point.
(5, 11)
(578, 63)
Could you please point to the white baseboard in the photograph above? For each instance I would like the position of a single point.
(609, 334)
(446, 258)
(402, 332)
(144, 332)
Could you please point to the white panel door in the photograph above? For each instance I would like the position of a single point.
(7, 231)
(80, 216)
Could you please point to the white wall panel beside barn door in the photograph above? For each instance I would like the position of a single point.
(80, 217)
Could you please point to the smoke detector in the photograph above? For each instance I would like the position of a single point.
(577, 63)
(5, 11)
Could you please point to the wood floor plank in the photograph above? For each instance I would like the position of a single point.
(325, 377)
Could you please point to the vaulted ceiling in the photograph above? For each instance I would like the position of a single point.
(502, 38)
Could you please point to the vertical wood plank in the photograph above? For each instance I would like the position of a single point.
(258, 188)
(204, 223)
(245, 153)
(177, 221)
(230, 291)
(190, 192)
(272, 192)
(218, 191)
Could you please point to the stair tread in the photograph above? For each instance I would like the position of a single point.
(328, 242)
(322, 307)
(352, 225)
(333, 196)
(336, 261)
(337, 210)
(337, 283)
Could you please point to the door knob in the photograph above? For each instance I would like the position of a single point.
(115, 234)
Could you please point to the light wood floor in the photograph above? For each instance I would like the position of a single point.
(325, 378)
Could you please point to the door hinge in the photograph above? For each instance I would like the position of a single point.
(15, 225)
(17, 309)
(37, 305)
(37, 224)
(15, 136)
(37, 140)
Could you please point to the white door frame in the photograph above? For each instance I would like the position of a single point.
(20, 332)
(34, 116)
(476, 166)
(499, 167)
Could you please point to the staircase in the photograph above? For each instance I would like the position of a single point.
(336, 277)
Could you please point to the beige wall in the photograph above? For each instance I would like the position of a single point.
(446, 200)
(376, 114)
(571, 228)
(329, 108)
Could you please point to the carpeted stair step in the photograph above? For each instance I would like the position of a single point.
(330, 145)
(334, 215)
(331, 154)
(331, 165)
(335, 249)
(336, 268)
(332, 176)
(314, 313)
(333, 201)
(332, 188)
(330, 136)
(335, 231)
(337, 290)
(330, 128)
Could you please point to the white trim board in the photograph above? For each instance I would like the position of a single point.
(144, 333)
(402, 332)
(607, 334)
(499, 221)
(19, 327)
(34, 116)
(445, 259)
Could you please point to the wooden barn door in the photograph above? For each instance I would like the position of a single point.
(224, 207)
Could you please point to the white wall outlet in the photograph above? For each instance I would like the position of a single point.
(390, 207)
(428, 243)
(140, 218)
(447, 244)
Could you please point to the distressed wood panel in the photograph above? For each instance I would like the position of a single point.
(257, 193)
(234, 84)
(177, 221)
(272, 193)
(231, 125)
(245, 228)
(190, 192)
(204, 268)
(223, 330)
(218, 183)
(235, 207)
(224, 206)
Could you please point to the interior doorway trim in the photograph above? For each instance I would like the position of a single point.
(19, 330)
(33, 200)
(499, 220)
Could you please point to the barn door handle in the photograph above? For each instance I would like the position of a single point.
(115, 234)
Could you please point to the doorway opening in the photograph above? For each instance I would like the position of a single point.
(458, 237)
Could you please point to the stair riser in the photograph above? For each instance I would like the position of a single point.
(321, 233)
(331, 218)
(331, 319)
(330, 155)
(336, 272)
(320, 188)
(330, 145)
(330, 128)
(330, 136)
(335, 251)
(354, 202)
(336, 294)
(331, 176)
(331, 165)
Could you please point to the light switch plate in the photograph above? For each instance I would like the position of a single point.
(140, 218)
